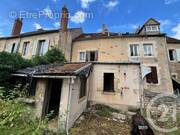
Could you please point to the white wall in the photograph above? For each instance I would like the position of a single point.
(128, 85)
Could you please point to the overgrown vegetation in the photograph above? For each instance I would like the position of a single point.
(105, 111)
(12, 62)
(16, 118)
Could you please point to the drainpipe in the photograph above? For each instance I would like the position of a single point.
(69, 104)
(141, 91)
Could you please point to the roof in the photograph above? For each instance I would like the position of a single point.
(172, 40)
(73, 69)
(151, 19)
(146, 23)
(38, 32)
(91, 36)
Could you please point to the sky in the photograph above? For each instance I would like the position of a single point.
(118, 15)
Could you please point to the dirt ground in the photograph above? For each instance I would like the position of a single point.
(93, 124)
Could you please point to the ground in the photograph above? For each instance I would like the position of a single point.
(101, 122)
(95, 125)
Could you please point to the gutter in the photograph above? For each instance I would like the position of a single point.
(54, 77)
(21, 75)
(46, 76)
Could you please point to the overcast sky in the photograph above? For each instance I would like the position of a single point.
(118, 15)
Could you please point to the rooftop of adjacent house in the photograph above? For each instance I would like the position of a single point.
(38, 32)
(91, 36)
(172, 40)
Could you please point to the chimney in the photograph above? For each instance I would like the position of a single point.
(17, 27)
(64, 19)
(104, 29)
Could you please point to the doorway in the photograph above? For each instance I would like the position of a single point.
(52, 97)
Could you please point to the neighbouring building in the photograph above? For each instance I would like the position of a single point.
(103, 68)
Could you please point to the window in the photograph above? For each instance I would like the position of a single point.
(153, 28)
(40, 48)
(92, 56)
(13, 48)
(82, 56)
(108, 82)
(172, 55)
(25, 48)
(148, 50)
(152, 77)
(83, 87)
(134, 48)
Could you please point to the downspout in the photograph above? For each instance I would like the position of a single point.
(141, 91)
(69, 105)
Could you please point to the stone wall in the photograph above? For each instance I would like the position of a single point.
(174, 65)
(118, 50)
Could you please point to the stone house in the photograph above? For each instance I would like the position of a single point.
(103, 68)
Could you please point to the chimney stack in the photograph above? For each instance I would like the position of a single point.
(105, 29)
(17, 27)
(64, 19)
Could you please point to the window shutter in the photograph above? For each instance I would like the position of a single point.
(16, 48)
(34, 51)
(96, 55)
(46, 47)
(154, 75)
(8, 48)
(178, 54)
(88, 56)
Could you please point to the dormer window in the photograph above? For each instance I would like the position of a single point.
(152, 28)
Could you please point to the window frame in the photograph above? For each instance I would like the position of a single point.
(83, 87)
(150, 28)
(152, 49)
(40, 47)
(84, 58)
(13, 48)
(150, 76)
(138, 49)
(88, 55)
(174, 55)
(25, 52)
(113, 83)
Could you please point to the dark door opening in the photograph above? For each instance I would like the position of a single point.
(52, 97)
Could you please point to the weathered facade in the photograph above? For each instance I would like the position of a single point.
(104, 68)
(173, 49)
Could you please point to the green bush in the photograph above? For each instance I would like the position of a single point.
(54, 56)
(16, 118)
(12, 62)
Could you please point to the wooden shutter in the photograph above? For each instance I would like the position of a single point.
(88, 55)
(96, 55)
(46, 47)
(34, 51)
(154, 75)
(16, 48)
(178, 54)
